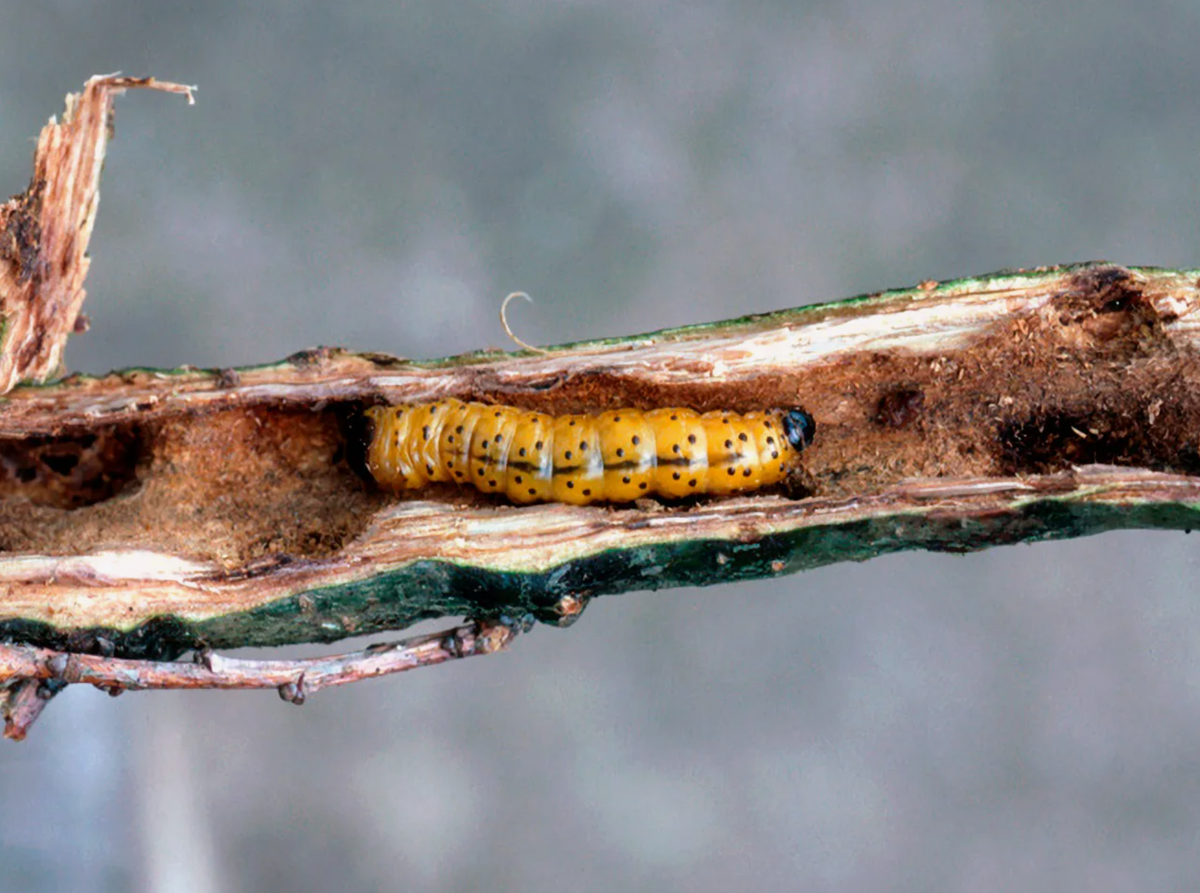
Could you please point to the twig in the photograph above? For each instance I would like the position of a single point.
(23, 703)
(34, 675)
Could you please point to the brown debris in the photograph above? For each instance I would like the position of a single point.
(231, 486)
(262, 468)
(44, 232)
(71, 470)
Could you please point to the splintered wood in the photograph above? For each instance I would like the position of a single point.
(44, 232)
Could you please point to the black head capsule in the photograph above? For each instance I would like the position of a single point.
(799, 427)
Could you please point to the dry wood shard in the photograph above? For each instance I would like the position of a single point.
(44, 232)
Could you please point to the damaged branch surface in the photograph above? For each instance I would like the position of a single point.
(166, 511)
(147, 513)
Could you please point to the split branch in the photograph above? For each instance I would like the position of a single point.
(147, 513)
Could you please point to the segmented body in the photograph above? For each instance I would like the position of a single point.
(615, 456)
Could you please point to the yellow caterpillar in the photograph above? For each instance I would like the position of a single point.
(615, 456)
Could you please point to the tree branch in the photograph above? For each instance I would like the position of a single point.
(145, 513)
(36, 674)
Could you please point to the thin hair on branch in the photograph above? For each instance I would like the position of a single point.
(508, 329)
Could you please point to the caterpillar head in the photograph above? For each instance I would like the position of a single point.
(799, 427)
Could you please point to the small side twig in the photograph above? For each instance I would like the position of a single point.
(23, 703)
(33, 675)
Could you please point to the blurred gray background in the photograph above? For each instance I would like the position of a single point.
(379, 175)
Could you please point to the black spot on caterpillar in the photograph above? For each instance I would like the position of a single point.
(615, 456)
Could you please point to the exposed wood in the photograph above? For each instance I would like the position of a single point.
(44, 232)
(168, 510)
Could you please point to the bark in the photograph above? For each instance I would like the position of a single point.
(35, 675)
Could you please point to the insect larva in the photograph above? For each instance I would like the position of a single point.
(615, 456)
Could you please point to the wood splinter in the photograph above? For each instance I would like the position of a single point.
(32, 676)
